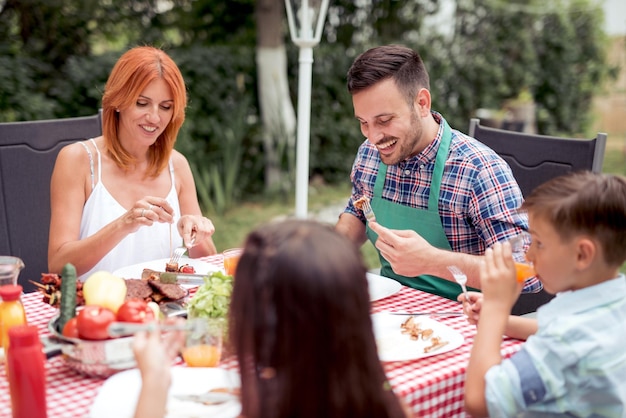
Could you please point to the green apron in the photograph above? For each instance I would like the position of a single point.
(425, 222)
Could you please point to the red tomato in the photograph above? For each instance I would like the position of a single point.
(187, 269)
(93, 322)
(135, 310)
(70, 329)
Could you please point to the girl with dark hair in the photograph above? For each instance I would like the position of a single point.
(301, 329)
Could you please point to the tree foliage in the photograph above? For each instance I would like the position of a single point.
(554, 50)
(488, 52)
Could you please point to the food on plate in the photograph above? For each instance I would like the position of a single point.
(213, 297)
(361, 201)
(415, 331)
(232, 391)
(175, 268)
(50, 287)
(153, 290)
(171, 267)
(135, 310)
(167, 290)
(164, 276)
(138, 289)
(104, 289)
(436, 344)
(93, 322)
(187, 268)
(135, 289)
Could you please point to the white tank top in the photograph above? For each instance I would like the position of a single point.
(146, 244)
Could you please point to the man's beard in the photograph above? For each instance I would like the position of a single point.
(405, 147)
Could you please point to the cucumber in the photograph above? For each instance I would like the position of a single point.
(67, 308)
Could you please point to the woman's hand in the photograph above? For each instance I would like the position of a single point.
(147, 211)
(195, 229)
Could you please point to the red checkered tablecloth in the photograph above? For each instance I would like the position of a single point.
(432, 386)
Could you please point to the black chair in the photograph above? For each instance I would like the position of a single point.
(28, 151)
(535, 159)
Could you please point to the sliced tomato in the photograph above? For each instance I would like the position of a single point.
(135, 310)
(187, 269)
(93, 322)
(70, 329)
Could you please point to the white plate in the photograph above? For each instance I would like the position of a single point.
(380, 287)
(134, 271)
(393, 345)
(118, 395)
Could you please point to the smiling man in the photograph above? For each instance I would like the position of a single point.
(440, 198)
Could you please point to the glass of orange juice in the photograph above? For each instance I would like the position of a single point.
(523, 268)
(203, 342)
(231, 258)
(524, 271)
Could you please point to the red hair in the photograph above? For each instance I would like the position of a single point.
(131, 74)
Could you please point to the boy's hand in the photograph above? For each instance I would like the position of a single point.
(497, 276)
(471, 307)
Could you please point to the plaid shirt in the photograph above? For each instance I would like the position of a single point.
(478, 200)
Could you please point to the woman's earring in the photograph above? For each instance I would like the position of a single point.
(117, 110)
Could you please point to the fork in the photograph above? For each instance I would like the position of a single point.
(177, 254)
(367, 211)
(460, 278)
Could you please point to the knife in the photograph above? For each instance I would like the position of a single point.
(174, 277)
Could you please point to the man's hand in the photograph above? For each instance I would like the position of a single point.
(406, 251)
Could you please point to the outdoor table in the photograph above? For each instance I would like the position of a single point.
(431, 386)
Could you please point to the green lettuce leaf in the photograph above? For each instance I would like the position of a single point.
(212, 298)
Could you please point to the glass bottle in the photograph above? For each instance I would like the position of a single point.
(27, 380)
(11, 311)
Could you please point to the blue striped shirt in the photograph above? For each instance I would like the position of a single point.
(576, 362)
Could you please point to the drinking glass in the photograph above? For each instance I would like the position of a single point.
(203, 342)
(231, 258)
(524, 269)
(10, 268)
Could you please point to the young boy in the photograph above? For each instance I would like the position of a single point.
(574, 359)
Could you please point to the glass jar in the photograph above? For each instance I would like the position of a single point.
(10, 268)
(11, 311)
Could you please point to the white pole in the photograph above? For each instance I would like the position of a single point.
(304, 121)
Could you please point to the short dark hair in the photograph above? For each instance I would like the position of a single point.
(301, 327)
(398, 62)
(587, 203)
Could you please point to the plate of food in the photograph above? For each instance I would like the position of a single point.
(185, 265)
(380, 287)
(401, 338)
(195, 392)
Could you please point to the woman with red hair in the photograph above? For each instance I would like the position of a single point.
(117, 198)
